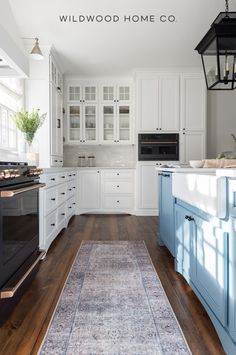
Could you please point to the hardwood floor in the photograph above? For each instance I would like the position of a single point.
(22, 334)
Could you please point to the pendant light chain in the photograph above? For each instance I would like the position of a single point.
(226, 6)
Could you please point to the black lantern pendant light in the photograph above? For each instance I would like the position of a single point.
(218, 51)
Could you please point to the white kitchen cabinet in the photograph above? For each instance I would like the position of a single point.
(56, 123)
(57, 203)
(89, 190)
(82, 123)
(82, 92)
(116, 125)
(44, 91)
(158, 103)
(193, 102)
(113, 92)
(192, 146)
(106, 190)
(147, 188)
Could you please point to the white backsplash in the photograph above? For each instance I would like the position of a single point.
(104, 155)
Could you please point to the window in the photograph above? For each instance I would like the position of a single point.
(11, 99)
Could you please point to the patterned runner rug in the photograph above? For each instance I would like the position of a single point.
(113, 303)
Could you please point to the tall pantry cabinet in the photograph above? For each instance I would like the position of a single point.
(45, 92)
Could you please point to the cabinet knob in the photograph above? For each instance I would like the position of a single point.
(183, 129)
(157, 129)
(160, 129)
(74, 203)
(63, 193)
(118, 201)
(63, 177)
(117, 186)
(53, 224)
(52, 179)
(118, 174)
(53, 199)
(69, 207)
(69, 189)
(63, 214)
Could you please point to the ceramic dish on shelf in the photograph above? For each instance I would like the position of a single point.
(196, 163)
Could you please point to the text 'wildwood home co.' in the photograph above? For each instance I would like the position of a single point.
(116, 18)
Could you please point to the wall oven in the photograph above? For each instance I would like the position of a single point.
(19, 229)
(164, 146)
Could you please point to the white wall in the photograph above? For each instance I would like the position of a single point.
(221, 122)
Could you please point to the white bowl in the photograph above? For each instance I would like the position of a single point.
(196, 163)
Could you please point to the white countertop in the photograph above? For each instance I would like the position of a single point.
(73, 168)
(189, 170)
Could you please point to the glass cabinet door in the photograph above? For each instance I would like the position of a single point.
(90, 93)
(108, 119)
(123, 123)
(108, 93)
(124, 93)
(74, 93)
(90, 123)
(75, 117)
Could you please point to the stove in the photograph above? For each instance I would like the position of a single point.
(19, 231)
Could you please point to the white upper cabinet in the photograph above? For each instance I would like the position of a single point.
(148, 104)
(193, 103)
(192, 146)
(115, 93)
(82, 92)
(169, 103)
(158, 103)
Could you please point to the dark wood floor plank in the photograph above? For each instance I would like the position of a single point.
(24, 331)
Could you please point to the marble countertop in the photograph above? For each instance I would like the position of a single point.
(188, 170)
(58, 169)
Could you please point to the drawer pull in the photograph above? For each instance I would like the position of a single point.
(63, 193)
(69, 189)
(69, 207)
(53, 224)
(63, 177)
(74, 203)
(73, 174)
(53, 199)
(118, 174)
(63, 214)
(118, 186)
(52, 179)
(118, 201)
(189, 218)
(70, 175)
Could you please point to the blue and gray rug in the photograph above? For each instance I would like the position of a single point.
(113, 303)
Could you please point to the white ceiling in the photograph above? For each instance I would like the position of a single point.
(112, 49)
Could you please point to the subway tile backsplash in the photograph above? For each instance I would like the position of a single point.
(105, 156)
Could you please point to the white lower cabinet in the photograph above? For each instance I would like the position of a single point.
(57, 202)
(147, 189)
(106, 191)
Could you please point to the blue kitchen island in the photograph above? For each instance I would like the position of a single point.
(198, 226)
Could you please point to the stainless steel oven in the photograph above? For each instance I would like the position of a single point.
(164, 146)
(19, 229)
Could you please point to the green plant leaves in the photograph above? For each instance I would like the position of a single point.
(29, 123)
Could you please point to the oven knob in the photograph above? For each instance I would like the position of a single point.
(17, 173)
(2, 175)
(7, 174)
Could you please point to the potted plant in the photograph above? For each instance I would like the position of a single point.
(28, 123)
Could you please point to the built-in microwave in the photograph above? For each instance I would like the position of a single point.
(163, 146)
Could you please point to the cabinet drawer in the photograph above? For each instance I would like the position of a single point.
(70, 206)
(71, 188)
(62, 193)
(49, 179)
(71, 175)
(50, 224)
(117, 174)
(118, 202)
(62, 177)
(118, 187)
(61, 213)
(50, 200)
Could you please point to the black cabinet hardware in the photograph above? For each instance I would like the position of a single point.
(58, 123)
(63, 214)
(63, 193)
(53, 224)
(52, 179)
(189, 218)
(53, 199)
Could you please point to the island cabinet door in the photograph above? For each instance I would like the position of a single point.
(209, 265)
(166, 212)
(183, 230)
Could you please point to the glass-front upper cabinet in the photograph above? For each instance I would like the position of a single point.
(75, 123)
(115, 93)
(83, 123)
(90, 123)
(123, 123)
(82, 93)
(109, 123)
